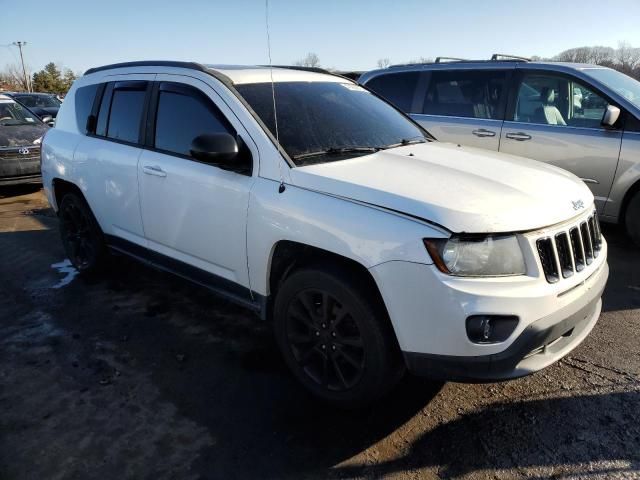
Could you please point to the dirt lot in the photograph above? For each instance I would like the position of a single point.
(141, 375)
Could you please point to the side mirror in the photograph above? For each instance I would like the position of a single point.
(611, 115)
(219, 149)
(48, 119)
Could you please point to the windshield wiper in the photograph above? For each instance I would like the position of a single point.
(337, 151)
(404, 142)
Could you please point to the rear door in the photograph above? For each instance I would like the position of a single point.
(192, 211)
(106, 160)
(464, 106)
(556, 118)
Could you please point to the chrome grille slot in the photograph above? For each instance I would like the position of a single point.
(586, 242)
(570, 249)
(563, 247)
(548, 259)
(578, 252)
(596, 235)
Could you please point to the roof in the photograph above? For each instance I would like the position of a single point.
(237, 74)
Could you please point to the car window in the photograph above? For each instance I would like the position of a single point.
(557, 100)
(466, 93)
(182, 116)
(397, 88)
(39, 101)
(121, 110)
(84, 102)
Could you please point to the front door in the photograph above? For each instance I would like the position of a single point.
(557, 119)
(192, 211)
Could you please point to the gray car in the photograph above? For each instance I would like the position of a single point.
(583, 118)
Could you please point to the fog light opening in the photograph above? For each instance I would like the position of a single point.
(485, 329)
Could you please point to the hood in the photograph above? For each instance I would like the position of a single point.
(462, 189)
(20, 135)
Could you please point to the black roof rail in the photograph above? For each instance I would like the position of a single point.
(451, 59)
(301, 67)
(498, 56)
(149, 63)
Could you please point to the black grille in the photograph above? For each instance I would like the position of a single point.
(570, 251)
(576, 246)
(547, 257)
(586, 241)
(564, 254)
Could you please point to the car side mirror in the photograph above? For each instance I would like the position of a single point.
(220, 149)
(48, 119)
(610, 117)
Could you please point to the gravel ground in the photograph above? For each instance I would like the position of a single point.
(138, 374)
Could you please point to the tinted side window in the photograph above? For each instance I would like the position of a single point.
(183, 116)
(84, 102)
(397, 88)
(126, 114)
(465, 93)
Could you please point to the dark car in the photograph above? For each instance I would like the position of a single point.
(21, 133)
(42, 104)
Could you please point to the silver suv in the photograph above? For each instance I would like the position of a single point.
(583, 118)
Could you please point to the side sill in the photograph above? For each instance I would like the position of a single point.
(218, 285)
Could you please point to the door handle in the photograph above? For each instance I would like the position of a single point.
(481, 132)
(519, 136)
(590, 180)
(154, 170)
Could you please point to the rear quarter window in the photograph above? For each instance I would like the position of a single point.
(396, 88)
(84, 102)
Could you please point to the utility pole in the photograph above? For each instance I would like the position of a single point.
(24, 70)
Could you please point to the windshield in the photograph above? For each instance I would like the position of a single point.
(618, 82)
(43, 101)
(12, 113)
(320, 122)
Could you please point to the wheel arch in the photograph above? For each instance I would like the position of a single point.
(61, 187)
(288, 256)
(630, 193)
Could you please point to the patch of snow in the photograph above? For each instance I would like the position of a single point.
(68, 270)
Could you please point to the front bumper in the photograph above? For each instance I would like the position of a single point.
(428, 311)
(542, 343)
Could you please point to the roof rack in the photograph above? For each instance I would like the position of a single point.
(148, 63)
(498, 56)
(451, 59)
(303, 68)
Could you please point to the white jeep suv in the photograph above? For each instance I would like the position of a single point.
(306, 198)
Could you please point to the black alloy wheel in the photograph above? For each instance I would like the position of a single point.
(81, 236)
(325, 340)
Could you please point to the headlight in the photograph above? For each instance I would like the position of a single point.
(477, 256)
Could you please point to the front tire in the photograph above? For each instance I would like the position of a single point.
(335, 337)
(82, 237)
(632, 219)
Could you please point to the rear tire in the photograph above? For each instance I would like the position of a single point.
(632, 219)
(336, 337)
(82, 237)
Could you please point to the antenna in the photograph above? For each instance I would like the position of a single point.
(273, 95)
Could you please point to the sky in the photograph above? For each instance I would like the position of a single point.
(346, 35)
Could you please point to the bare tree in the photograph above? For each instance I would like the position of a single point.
(384, 63)
(628, 58)
(12, 77)
(310, 60)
